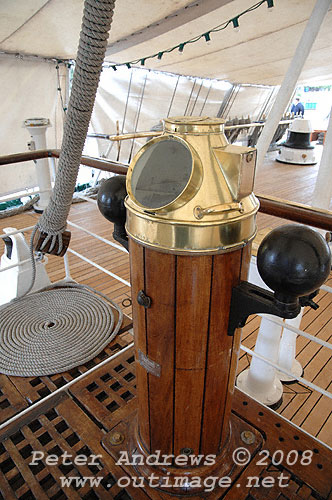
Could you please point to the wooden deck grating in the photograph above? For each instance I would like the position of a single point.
(78, 423)
(304, 407)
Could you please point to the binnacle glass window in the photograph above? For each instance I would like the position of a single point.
(161, 173)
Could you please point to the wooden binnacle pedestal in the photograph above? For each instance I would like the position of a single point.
(185, 368)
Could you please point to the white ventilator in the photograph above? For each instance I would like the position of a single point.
(260, 380)
(298, 149)
(16, 280)
(37, 130)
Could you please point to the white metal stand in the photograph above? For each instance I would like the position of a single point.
(287, 351)
(260, 380)
(290, 154)
(37, 129)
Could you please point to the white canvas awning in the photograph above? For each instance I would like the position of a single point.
(35, 34)
(259, 53)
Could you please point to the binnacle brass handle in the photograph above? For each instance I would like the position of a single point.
(200, 212)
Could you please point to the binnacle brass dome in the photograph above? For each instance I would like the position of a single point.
(189, 191)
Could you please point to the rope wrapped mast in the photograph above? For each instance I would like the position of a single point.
(50, 234)
(66, 324)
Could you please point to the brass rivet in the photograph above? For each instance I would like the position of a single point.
(248, 437)
(249, 157)
(116, 438)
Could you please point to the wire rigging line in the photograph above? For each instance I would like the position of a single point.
(206, 35)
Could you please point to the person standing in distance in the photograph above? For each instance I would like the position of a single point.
(297, 108)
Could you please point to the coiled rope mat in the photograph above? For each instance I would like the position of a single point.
(54, 330)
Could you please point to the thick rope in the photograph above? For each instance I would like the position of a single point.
(54, 330)
(97, 18)
(96, 23)
(58, 328)
(9, 212)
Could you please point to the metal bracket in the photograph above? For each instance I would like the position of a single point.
(250, 299)
(307, 301)
(120, 235)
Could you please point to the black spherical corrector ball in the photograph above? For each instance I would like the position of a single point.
(293, 260)
(111, 196)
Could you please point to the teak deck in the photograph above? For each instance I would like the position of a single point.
(96, 404)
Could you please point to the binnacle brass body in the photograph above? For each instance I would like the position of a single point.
(189, 191)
